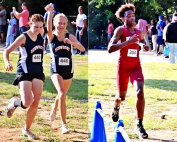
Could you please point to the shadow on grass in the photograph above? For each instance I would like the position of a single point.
(78, 89)
(162, 140)
(7, 77)
(161, 84)
(80, 132)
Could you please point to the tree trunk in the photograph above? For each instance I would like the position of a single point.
(166, 12)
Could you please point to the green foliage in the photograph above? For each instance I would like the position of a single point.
(101, 10)
(153, 8)
(103, 2)
(63, 6)
(98, 17)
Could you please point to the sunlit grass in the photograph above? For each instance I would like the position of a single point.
(77, 100)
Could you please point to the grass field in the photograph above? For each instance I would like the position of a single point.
(77, 105)
(160, 93)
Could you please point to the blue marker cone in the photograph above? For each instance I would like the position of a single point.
(118, 135)
(98, 133)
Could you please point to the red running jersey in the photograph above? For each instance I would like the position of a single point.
(129, 55)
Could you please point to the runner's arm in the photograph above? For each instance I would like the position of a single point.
(49, 23)
(114, 45)
(74, 42)
(18, 42)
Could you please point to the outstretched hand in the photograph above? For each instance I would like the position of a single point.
(49, 7)
(14, 9)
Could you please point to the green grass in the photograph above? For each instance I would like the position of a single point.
(77, 101)
(160, 94)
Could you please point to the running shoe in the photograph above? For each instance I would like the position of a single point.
(53, 113)
(141, 132)
(65, 129)
(28, 134)
(9, 110)
(115, 114)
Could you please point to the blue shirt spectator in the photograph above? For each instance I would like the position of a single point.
(160, 25)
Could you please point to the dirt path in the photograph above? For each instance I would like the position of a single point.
(14, 134)
(100, 56)
(154, 135)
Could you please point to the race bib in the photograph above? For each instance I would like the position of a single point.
(63, 62)
(36, 58)
(132, 53)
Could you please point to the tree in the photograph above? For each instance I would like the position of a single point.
(101, 10)
(98, 18)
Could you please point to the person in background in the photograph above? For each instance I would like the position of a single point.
(143, 26)
(81, 31)
(170, 19)
(54, 13)
(153, 32)
(170, 38)
(11, 30)
(160, 42)
(2, 22)
(23, 17)
(110, 30)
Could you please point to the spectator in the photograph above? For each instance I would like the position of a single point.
(170, 19)
(153, 32)
(81, 25)
(143, 26)
(2, 22)
(55, 12)
(160, 42)
(23, 17)
(170, 38)
(11, 30)
(110, 30)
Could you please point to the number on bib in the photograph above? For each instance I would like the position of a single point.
(63, 62)
(132, 53)
(36, 58)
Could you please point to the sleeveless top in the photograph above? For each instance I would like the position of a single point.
(31, 56)
(129, 55)
(61, 54)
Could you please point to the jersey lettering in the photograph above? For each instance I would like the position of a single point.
(63, 62)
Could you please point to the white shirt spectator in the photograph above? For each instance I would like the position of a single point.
(80, 20)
